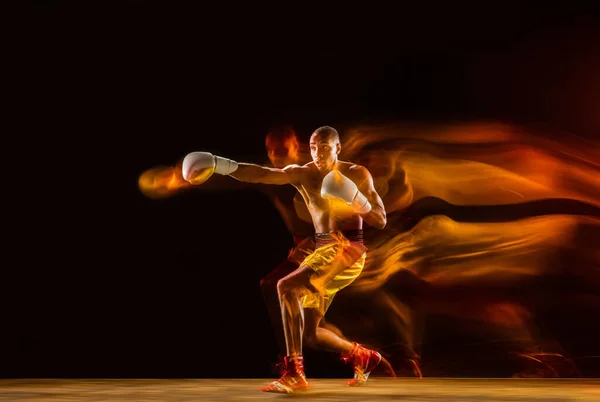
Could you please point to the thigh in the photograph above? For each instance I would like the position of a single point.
(300, 284)
(299, 279)
(341, 269)
(312, 280)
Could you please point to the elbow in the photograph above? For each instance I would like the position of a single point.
(376, 219)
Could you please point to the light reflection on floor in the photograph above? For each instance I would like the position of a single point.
(404, 389)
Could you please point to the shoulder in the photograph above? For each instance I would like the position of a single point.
(306, 168)
(295, 168)
(356, 170)
(297, 172)
(358, 173)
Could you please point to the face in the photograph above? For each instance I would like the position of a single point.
(324, 151)
(282, 151)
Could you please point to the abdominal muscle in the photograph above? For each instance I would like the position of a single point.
(327, 215)
(325, 222)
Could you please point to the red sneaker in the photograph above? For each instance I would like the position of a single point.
(293, 378)
(364, 361)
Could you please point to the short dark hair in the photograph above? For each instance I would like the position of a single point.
(328, 131)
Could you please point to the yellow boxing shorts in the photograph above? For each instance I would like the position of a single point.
(336, 263)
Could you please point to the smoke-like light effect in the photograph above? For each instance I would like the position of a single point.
(482, 164)
(495, 212)
(162, 181)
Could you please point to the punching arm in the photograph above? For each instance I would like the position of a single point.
(199, 166)
(251, 173)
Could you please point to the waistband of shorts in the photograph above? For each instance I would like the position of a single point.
(354, 235)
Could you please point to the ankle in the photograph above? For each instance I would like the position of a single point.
(294, 364)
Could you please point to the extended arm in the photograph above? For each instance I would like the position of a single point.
(251, 173)
(199, 166)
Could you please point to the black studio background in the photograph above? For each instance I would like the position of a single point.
(113, 284)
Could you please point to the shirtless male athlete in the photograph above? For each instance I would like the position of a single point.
(339, 195)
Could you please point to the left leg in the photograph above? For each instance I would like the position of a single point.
(291, 290)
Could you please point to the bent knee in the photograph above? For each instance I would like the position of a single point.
(290, 287)
(284, 286)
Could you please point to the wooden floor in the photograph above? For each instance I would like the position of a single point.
(378, 389)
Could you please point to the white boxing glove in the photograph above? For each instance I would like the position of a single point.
(336, 185)
(197, 167)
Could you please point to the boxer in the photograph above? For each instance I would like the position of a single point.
(339, 196)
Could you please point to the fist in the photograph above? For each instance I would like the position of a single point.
(197, 167)
(337, 186)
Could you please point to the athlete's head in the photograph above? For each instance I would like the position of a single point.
(282, 147)
(325, 147)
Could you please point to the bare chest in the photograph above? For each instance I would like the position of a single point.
(310, 189)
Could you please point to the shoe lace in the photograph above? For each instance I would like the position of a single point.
(358, 359)
(351, 356)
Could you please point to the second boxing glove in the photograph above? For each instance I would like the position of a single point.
(336, 185)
